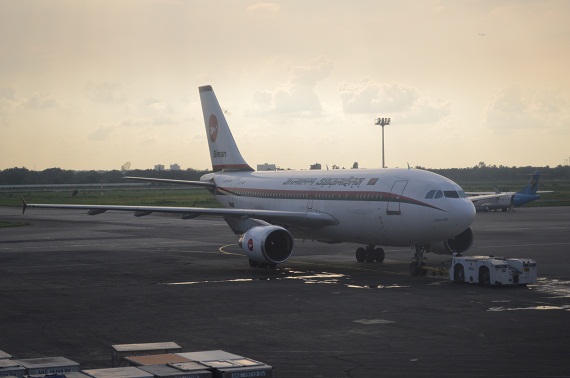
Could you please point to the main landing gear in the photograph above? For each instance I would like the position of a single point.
(370, 254)
(416, 267)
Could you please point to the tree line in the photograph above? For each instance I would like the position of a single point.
(484, 172)
(480, 172)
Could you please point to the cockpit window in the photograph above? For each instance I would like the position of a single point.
(451, 194)
(435, 194)
(430, 194)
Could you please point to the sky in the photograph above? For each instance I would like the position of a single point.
(94, 84)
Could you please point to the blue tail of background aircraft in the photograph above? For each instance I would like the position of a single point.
(529, 192)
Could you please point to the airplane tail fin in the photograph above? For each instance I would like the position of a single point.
(532, 186)
(224, 152)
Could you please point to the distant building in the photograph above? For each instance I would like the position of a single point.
(266, 167)
(159, 167)
(315, 166)
(174, 167)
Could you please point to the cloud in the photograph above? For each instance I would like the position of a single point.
(514, 107)
(298, 96)
(153, 106)
(426, 111)
(8, 101)
(142, 128)
(104, 92)
(12, 102)
(40, 102)
(102, 133)
(392, 99)
(263, 10)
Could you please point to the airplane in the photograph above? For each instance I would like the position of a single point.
(269, 210)
(506, 201)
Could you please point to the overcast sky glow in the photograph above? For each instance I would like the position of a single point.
(93, 84)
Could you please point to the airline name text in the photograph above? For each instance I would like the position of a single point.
(348, 181)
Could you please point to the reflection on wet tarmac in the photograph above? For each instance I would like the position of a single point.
(553, 289)
(309, 277)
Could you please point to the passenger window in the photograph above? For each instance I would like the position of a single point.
(438, 194)
(430, 194)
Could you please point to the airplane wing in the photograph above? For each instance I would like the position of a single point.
(478, 199)
(297, 218)
(481, 197)
(203, 184)
(471, 194)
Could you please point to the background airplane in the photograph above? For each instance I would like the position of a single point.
(377, 207)
(506, 201)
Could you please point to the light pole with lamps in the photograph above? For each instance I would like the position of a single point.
(382, 122)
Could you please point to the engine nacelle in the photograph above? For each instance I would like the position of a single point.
(267, 244)
(458, 244)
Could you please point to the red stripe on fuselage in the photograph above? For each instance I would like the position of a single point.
(322, 195)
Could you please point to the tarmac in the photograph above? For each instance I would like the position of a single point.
(73, 285)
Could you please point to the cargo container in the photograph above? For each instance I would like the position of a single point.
(165, 371)
(10, 368)
(75, 374)
(120, 351)
(40, 367)
(154, 359)
(210, 355)
(224, 364)
(194, 368)
(120, 372)
(244, 372)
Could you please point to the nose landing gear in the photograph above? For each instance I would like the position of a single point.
(416, 267)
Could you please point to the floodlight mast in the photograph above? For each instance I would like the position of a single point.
(382, 122)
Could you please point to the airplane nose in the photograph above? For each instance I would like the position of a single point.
(467, 213)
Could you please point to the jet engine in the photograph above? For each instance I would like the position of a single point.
(267, 244)
(458, 244)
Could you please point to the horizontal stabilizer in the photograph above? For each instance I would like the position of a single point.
(203, 184)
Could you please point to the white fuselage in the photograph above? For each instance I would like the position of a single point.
(380, 207)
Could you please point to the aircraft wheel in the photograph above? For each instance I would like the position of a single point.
(360, 254)
(414, 269)
(379, 255)
(422, 272)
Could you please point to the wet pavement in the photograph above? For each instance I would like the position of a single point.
(72, 285)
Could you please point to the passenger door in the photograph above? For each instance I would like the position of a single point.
(395, 195)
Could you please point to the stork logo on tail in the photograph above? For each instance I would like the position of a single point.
(213, 128)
